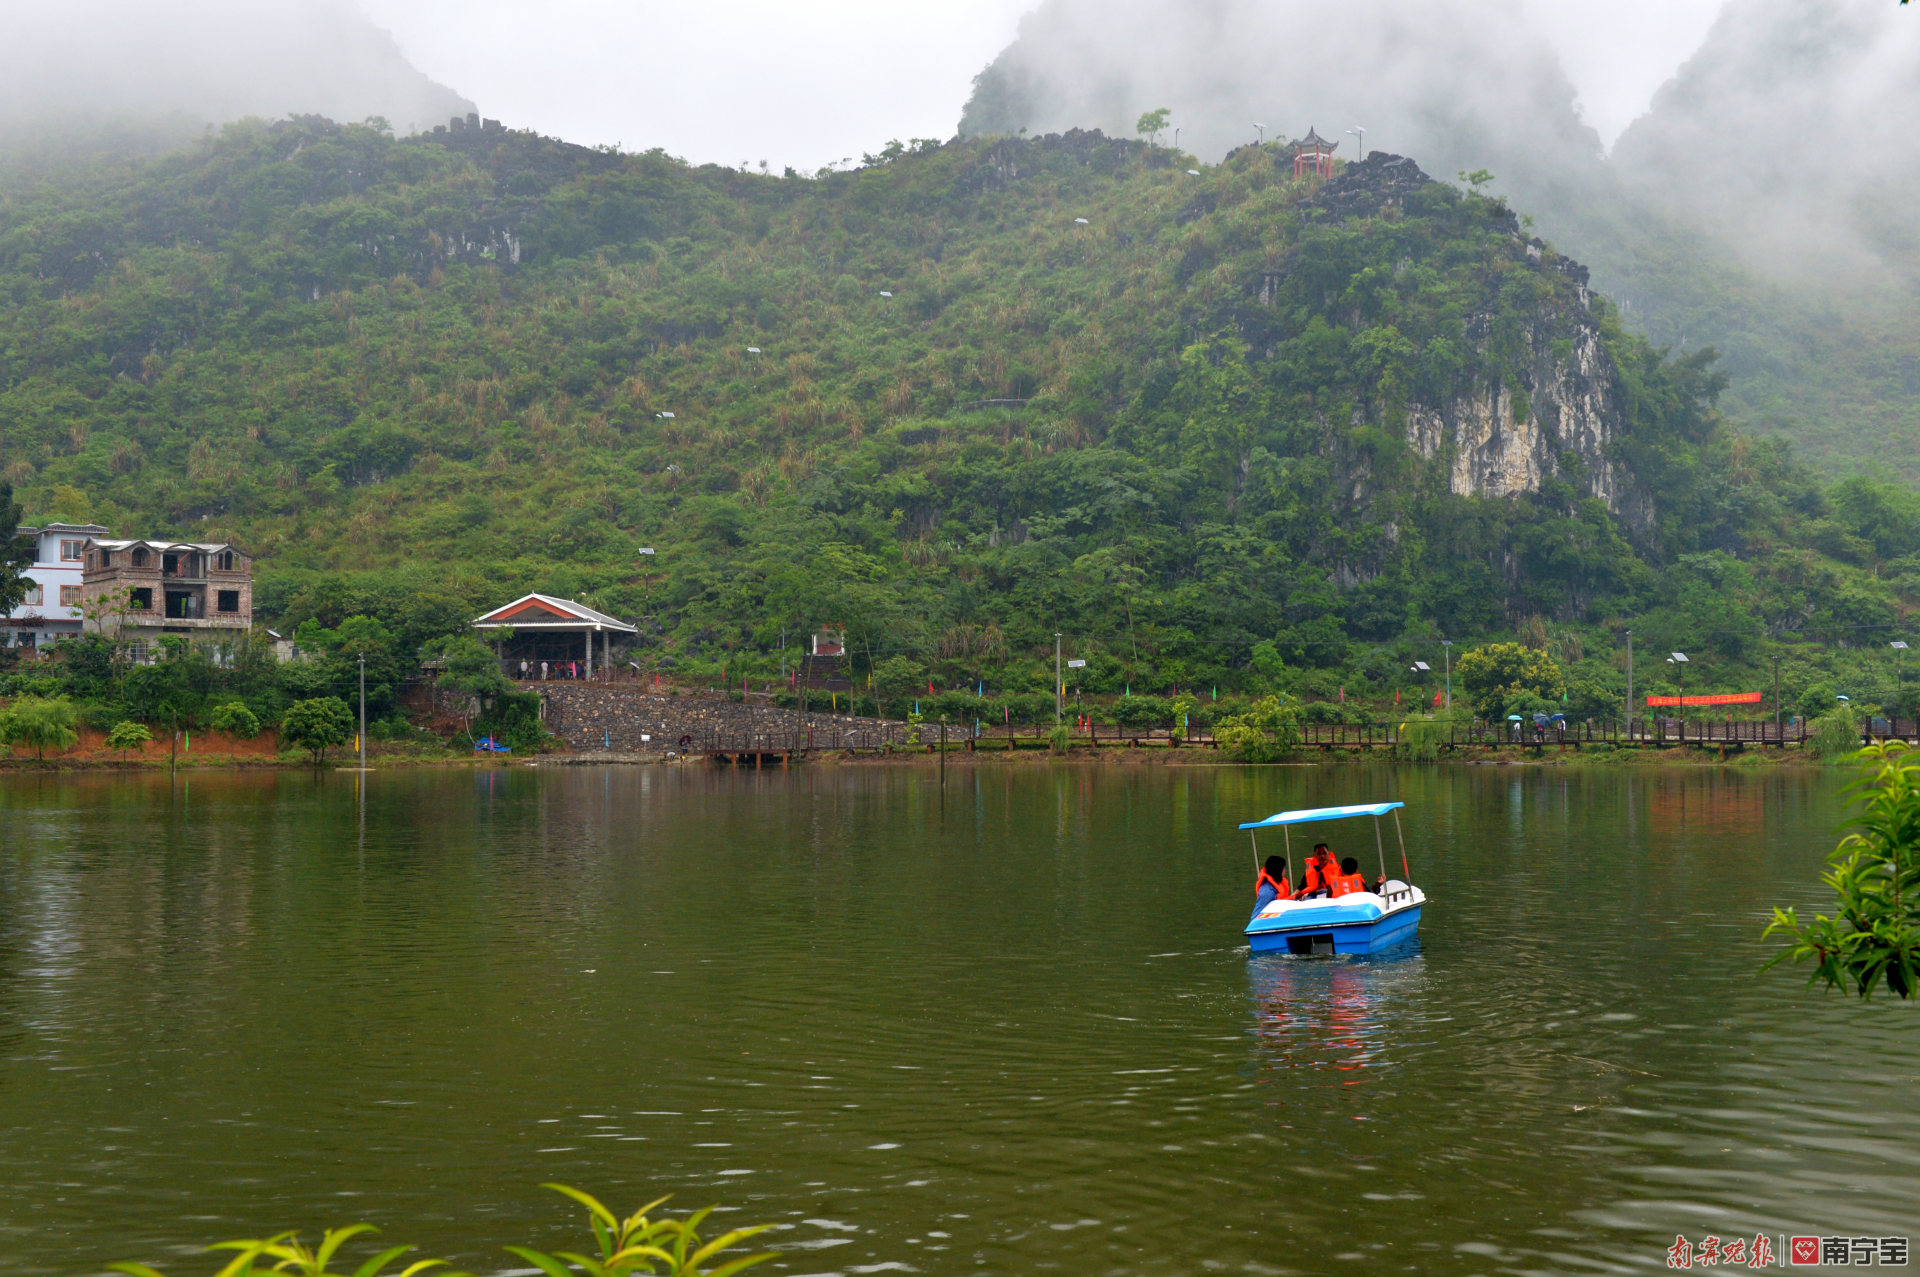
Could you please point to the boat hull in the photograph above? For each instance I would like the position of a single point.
(1332, 929)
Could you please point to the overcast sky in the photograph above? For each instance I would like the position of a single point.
(808, 82)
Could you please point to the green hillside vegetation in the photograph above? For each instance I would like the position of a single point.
(419, 377)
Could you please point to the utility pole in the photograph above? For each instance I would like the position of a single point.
(1629, 682)
(363, 711)
(1057, 687)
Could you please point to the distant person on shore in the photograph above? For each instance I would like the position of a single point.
(1271, 884)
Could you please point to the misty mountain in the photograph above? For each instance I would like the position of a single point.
(1458, 84)
(199, 62)
(1787, 136)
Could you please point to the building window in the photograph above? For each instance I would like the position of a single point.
(226, 565)
(70, 551)
(141, 600)
(69, 596)
(140, 557)
(35, 595)
(229, 600)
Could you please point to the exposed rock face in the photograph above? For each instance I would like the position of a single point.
(1574, 408)
(1493, 443)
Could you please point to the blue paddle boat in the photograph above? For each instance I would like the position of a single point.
(1357, 922)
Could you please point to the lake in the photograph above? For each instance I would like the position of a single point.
(1007, 1026)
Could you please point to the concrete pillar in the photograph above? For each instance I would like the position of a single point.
(589, 655)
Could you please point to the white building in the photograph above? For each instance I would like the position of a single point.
(51, 610)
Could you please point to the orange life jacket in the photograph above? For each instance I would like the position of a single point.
(1314, 879)
(1342, 884)
(1279, 887)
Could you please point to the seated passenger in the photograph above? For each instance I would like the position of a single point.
(1349, 879)
(1317, 879)
(1271, 884)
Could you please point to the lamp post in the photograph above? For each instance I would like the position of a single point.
(1057, 686)
(1263, 133)
(1629, 682)
(1446, 650)
(1679, 662)
(646, 577)
(363, 711)
(1360, 131)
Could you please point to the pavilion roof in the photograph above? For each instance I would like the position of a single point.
(1313, 142)
(544, 612)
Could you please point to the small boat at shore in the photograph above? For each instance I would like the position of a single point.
(1357, 922)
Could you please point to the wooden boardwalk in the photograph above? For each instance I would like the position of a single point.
(775, 748)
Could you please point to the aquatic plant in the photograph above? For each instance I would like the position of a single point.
(1060, 739)
(283, 1253)
(1875, 933)
(636, 1244)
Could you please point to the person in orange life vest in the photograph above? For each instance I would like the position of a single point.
(1271, 885)
(1349, 879)
(1317, 878)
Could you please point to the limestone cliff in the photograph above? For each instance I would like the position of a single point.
(1559, 412)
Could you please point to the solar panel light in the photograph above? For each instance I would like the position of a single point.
(1680, 657)
(1898, 645)
(885, 293)
(753, 350)
(1076, 665)
(1421, 667)
(1080, 221)
(645, 549)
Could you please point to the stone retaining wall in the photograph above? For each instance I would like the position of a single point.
(598, 717)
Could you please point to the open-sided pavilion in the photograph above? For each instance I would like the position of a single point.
(550, 630)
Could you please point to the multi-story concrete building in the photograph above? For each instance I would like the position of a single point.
(51, 610)
(143, 589)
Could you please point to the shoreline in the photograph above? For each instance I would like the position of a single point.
(1152, 756)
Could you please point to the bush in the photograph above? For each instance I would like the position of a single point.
(1268, 729)
(317, 725)
(1420, 739)
(127, 734)
(41, 723)
(1875, 934)
(1835, 735)
(236, 720)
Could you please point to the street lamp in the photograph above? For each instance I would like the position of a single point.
(646, 578)
(1679, 662)
(1360, 131)
(1263, 133)
(1446, 651)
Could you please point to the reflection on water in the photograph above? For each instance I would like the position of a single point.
(1004, 1026)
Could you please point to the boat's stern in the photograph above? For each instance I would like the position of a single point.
(1360, 922)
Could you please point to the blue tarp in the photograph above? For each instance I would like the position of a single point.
(1323, 813)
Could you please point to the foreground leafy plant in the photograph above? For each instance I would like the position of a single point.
(1876, 877)
(636, 1244)
(288, 1256)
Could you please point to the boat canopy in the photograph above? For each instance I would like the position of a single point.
(1323, 813)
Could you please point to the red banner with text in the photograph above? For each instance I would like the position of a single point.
(1722, 698)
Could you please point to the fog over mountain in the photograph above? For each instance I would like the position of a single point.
(1457, 84)
(208, 61)
(1789, 134)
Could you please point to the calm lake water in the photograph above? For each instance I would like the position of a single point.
(1010, 1027)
